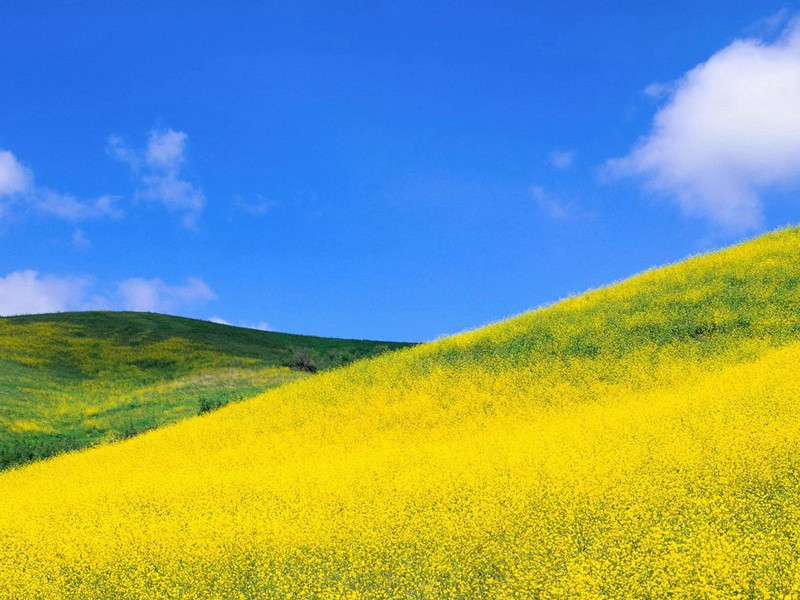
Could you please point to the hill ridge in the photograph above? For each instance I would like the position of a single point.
(69, 380)
(638, 441)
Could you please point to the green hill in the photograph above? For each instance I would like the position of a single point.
(638, 441)
(69, 380)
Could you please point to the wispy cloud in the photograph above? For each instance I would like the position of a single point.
(261, 325)
(658, 90)
(728, 132)
(19, 191)
(72, 209)
(771, 24)
(562, 159)
(554, 206)
(157, 173)
(79, 240)
(259, 207)
(154, 295)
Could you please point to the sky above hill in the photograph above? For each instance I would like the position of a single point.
(382, 170)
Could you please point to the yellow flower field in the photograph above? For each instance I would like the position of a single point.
(639, 441)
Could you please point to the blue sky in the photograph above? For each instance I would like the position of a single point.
(382, 170)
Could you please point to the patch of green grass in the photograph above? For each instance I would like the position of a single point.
(71, 380)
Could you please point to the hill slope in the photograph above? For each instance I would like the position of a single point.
(69, 380)
(639, 441)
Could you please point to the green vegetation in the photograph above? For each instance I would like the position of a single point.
(71, 380)
(638, 441)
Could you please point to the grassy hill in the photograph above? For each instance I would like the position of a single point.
(70, 380)
(639, 441)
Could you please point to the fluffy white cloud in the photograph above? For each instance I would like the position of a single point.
(28, 292)
(157, 171)
(14, 178)
(219, 320)
(728, 132)
(166, 149)
(154, 295)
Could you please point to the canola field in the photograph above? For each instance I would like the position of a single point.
(639, 441)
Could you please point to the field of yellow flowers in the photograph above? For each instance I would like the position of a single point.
(639, 441)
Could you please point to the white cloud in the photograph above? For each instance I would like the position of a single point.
(562, 159)
(157, 171)
(771, 24)
(28, 292)
(175, 194)
(261, 207)
(154, 295)
(658, 90)
(18, 190)
(71, 209)
(553, 206)
(14, 178)
(729, 131)
(261, 325)
(166, 149)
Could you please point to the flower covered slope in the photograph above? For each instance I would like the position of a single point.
(639, 441)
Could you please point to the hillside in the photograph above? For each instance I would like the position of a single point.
(70, 380)
(638, 441)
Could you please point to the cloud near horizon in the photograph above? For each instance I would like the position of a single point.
(728, 132)
(157, 173)
(153, 295)
(261, 325)
(29, 292)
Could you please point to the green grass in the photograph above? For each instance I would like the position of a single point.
(641, 440)
(71, 380)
